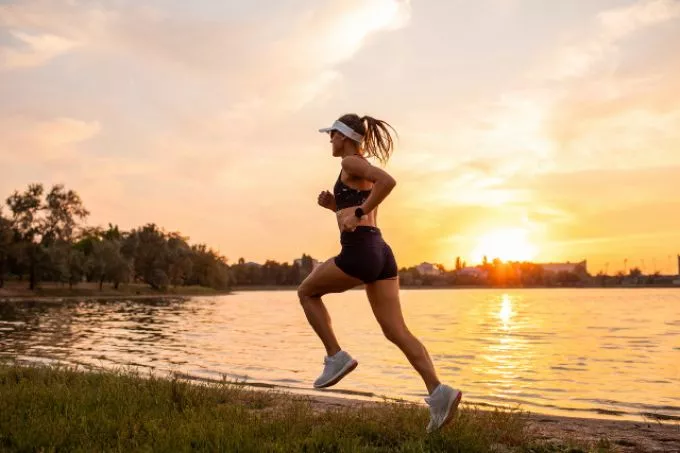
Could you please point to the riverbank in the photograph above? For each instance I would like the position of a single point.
(14, 291)
(64, 409)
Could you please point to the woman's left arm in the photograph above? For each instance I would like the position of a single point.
(383, 183)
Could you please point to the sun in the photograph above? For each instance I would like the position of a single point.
(507, 244)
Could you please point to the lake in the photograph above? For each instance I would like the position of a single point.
(607, 353)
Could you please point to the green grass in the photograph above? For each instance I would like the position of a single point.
(57, 409)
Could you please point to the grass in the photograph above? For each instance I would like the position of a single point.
(54, 409)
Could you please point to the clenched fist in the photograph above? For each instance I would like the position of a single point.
(327, 200)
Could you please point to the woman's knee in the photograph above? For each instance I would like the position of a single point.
(396, 334)
(306, 294)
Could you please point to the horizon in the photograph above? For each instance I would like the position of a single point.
(558, 145)
(85, 229)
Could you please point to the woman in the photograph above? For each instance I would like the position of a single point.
(365, 258)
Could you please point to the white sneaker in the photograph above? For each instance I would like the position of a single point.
(335, 368)
(443, 402)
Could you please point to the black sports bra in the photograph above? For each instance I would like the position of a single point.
(346, 197)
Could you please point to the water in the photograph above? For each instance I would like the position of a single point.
(609, 353)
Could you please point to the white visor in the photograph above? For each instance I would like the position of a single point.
(345, 130)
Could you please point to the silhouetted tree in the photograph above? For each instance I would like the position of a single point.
(6, 241)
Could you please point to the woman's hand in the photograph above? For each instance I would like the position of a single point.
(327, 200)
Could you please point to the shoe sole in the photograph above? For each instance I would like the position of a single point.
(344, 372)
(451, 410)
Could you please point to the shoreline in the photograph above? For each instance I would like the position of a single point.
(57, 294)
(626, 435)
(345, 421)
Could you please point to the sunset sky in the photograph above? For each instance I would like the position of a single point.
(529, 129)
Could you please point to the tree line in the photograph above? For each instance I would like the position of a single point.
(42, 239)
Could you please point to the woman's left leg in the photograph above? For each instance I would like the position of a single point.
(384, 298)
(443, 399)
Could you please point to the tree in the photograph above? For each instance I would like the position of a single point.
(459, 263)
(62, 207)
(77, 267)
(179, 259)
(210, 269)
(67, 264)
(150, 255)
(26, 209)
(6, 240)
(294, 275)
(531, 274)
(106, 263)
(112, 234)
(39, 225)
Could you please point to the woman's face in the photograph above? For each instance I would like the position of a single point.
(337, 142)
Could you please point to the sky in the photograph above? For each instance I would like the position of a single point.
(528, 129)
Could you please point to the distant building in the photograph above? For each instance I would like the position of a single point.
(428, 269)
(474, 272)
(252, 264)
(678, 264)
(576, 268)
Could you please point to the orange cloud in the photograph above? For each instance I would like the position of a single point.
(23, 139)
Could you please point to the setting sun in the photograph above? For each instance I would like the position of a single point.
(509, 244)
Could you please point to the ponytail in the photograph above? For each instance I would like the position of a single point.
(378, 141)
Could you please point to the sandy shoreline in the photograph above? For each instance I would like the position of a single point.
(627, 436)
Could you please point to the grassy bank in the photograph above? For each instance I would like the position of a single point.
(47, 289)
(51, 409)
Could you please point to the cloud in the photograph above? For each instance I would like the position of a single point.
(42, 30)
(33, 50)
(212, 85)
(596, 101)
(23, 139)
(599, 49)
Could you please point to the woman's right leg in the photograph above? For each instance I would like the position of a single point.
(326, 278)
